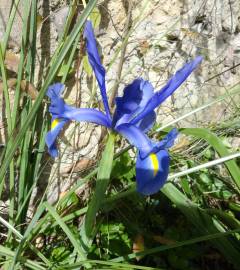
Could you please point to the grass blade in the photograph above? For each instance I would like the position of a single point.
(201, 220)
(51, 74)
(67, 231)
(217, 144)
(177, 245)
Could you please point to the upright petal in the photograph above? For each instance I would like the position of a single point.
(147, 122)
(180, 76)
(56, 127)
(168, 140)
(55, 90)
(57, 103)
(152, 172)
(95, 62)
(134, 99)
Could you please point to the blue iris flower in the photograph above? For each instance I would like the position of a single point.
(133, 117)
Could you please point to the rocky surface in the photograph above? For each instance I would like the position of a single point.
(164, 35)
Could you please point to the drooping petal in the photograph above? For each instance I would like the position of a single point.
(136, 138)
(95, 62)
(147, 122)
(134, 99)
(180, 76)
(152, 172)
(62, 113)
(56, 127)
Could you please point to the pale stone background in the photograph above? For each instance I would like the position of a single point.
(166, 34)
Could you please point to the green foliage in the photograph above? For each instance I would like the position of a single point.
(194, 221)
(123, 168)
(113, 240)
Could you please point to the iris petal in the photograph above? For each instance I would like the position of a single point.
(134, 99)
(168, 140)
(95, 62)
(136, 138)
(58, 108)
(54, 93)
(152, 172)
(86, 115)
(51, 136)
(180, 76)
(147, 122)
(62, 113)
(55, 90)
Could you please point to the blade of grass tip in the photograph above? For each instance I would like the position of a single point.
(9, 25)
(15, 111)
(51, 74)
(218, 145)
(70, 60)
(31, 57)
(176, 245)
(70, 16)
(103, 177)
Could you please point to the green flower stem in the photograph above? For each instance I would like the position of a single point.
(103, 177)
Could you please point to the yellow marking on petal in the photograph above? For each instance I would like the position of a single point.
(54, 123)
(155, 164)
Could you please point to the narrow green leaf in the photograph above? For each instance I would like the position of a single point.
(115, 265)
(103, 177)
(26, 235)
(218, 145)
(4, 251)
(176, 245)
(203, 222)
(9, 25)
(51, 74)
(67, 231)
